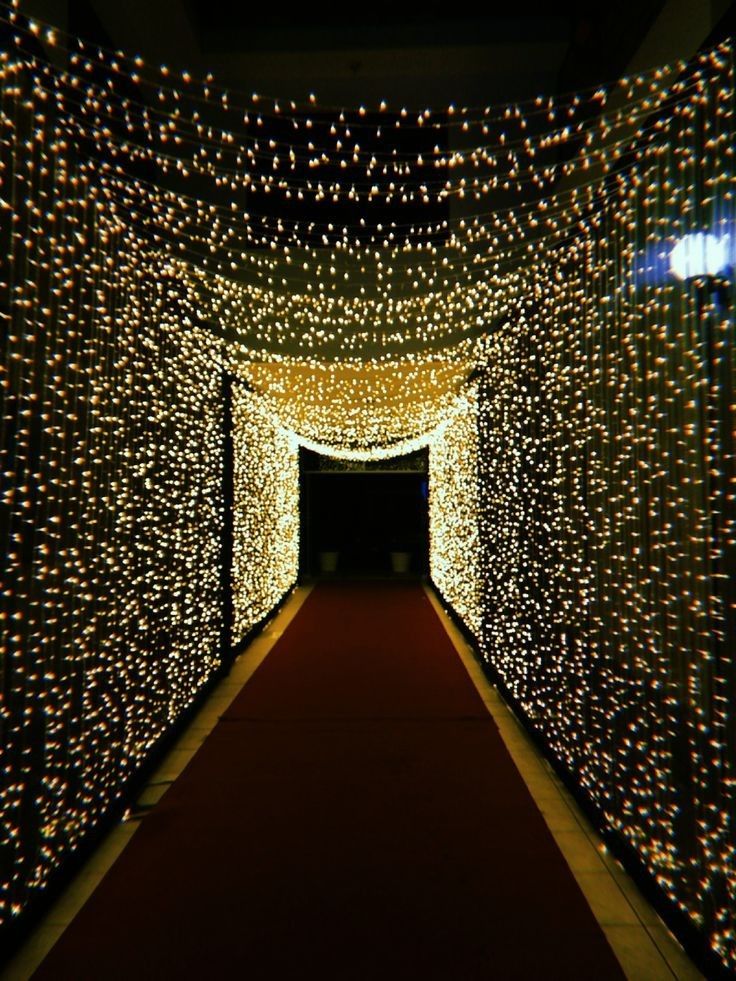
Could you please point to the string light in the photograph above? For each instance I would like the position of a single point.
(265, 512)
(603, 477)
(353, 268)
(454, 512)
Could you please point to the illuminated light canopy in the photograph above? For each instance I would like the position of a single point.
(357, 409)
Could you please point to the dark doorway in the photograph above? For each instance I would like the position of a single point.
(364, 519)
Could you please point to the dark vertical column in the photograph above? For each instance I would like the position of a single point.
(226, 561)
(305, 520)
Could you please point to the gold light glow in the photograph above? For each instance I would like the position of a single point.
(265, 510)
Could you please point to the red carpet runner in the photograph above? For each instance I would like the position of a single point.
(354, 815)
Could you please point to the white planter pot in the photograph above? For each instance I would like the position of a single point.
(400, 561)
(328, 561)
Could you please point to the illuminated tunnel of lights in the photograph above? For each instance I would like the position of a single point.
(198, 283)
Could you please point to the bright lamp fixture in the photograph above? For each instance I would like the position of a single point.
(699, 254)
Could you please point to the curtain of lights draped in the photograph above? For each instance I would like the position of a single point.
(112, 514)
(453, 513)
(265, 511)
(604, 489)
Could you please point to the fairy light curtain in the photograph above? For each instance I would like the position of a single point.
(112, 500)
(354, 271)
(265, 512)
(607, 516)
(454, 500)
(113, 509)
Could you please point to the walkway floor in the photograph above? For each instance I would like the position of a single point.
(354, 814)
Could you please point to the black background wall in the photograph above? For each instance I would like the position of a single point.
(363, 515)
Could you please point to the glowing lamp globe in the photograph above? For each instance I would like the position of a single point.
(699, 254)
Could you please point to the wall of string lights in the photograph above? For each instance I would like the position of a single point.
(454, 503)
(353, 268)
(265, 560)
(112, 509)
(113, 501)
(604, 486)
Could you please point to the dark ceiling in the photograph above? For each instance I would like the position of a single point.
(380, 25)
(409, 53)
